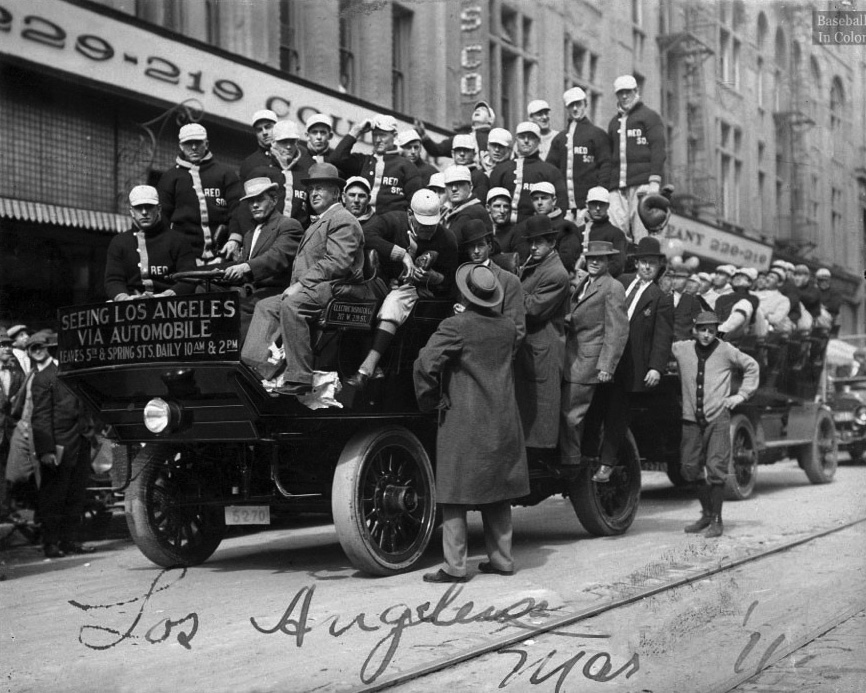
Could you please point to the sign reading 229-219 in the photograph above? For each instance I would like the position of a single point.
(48, 33)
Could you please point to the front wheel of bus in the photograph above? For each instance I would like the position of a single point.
(169, 506)
(384, 500)
(609, 508)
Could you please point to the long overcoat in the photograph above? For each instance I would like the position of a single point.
(651, 334)
(465, 370)
(539, 363)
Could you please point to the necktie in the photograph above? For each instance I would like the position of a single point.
(256, 233)
(629, 299)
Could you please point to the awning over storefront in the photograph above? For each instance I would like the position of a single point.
(24, 210)
(717, 245)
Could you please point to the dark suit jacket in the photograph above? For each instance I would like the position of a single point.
(276, 247)
(16, 379)
(685, 313)
(58, 417)
(651, 331)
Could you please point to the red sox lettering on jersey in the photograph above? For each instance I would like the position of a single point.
(584, 151)
(158, 270)
(217, 194)
(637, 134)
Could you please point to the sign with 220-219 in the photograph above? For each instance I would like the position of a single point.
(203, 327)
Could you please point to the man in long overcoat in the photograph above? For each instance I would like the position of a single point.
(538, 368)
(465, 371)
(597, 329)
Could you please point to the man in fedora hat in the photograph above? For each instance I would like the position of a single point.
(645, 357)
(199, 195)
(581, 152)
(596, 332)
(419, 258)
(637, 136)
(569, 239)
(518, 175)
(140, 261)
(268, 250)
(331, 250)
(393, 178)
(476, 245)
(465, 372)
(707, 366)
(538, 368)
(59, 426)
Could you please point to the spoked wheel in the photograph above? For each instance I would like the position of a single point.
(610, 508)
(384, 500)
(820, 458)
(168, 508)
(743, 467)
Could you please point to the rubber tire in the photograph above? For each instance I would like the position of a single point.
(355, 518)
(147, 513)
(609, 509)
(743, 464)
(820, 458)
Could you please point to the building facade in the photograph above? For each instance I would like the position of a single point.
(765, 128)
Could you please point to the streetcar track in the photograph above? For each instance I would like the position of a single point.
(591, 612)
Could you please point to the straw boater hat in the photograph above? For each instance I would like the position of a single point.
(479, 285)
(256, 186)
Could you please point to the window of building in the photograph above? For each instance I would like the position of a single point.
(212, 22)
(581, 67)
(763, 31)
(817, 88)
(513, 61)
(836, 209)
(348, 79)
(730, 170)
(400, 56)
(730, 44)
(759, 82)
(837, 104)
(290, 54)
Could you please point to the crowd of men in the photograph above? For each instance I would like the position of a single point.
(554, 216)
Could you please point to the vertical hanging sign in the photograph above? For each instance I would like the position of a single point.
(471, 52)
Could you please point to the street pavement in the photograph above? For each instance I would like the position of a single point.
(283, 609)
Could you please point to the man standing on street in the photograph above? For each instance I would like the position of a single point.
(637, 138)
(59, 426)
(465, 372)
(707, 366)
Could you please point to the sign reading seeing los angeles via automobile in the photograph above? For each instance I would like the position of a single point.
(203, 327)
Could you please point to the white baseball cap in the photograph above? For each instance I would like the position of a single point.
(823, 273)
(463, 142)
(530, 127)
(457, 174)
(143, 195)
(285, 130)
(405, 137)
(500, 136)
(358, 180)
(598, 194)
(543, 187)
(385, 123)
(264, 114)
(437, 180)
(624, 82)
(493, 193)
(537, 106)
(192, 131)
(726, 269)
(574, 94)
(425, 207)
(319, 119)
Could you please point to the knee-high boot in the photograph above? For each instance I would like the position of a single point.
(703, 493)
(717, 496)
